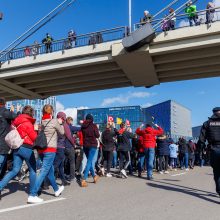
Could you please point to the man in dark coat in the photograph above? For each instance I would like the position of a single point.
(6, 117)
(210, 132)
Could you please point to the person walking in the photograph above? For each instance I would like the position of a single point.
(52, 128)
(24, 124)
(191, 149)
(90, 134)
(163, 153)
(183, 153)
(124, 147)
(107, 140)
(173, 155)
(149, 141)
(6, 117)
(210, 132)
(60, 154)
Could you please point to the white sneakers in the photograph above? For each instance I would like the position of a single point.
(161, 172)
(34, 200)
(108, 175)
(123, 172)
(187, 169)
(166, 172)
(59, 191)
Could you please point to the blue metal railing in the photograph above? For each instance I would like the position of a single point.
(183, 17)
(64, 44)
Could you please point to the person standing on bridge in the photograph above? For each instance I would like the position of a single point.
(210, 132)
(47, 41)
(210, 12)
(192, 13)
(149, 141)
(147, 18)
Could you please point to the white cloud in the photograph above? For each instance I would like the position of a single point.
(72, 112)
(147, 105)
(217, 3)
(125, 98)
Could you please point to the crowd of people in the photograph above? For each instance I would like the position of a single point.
(169, 21)
(73, 153)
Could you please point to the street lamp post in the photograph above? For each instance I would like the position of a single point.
(130, 14)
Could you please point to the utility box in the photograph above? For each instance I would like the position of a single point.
(143, 35)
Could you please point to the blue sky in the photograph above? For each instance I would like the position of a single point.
(90, 15)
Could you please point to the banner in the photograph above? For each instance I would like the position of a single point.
(119, 121)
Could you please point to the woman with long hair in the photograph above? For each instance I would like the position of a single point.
(24, 124)
(52, 127)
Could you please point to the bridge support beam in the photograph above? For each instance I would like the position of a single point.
(137, 66)
(19, 91)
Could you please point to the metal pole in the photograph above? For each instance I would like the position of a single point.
(130, 15)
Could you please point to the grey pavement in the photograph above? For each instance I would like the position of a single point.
(178, 195)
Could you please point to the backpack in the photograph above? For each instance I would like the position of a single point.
(41, 140)
(13, 138)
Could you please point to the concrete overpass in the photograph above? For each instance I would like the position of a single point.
(182, 54)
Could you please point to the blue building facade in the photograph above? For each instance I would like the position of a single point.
(174, 118)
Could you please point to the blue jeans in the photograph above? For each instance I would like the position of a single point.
(47, 170)
(149, 155)
(59, 163)
(115, 159)
(95, 158)
(90, 153)
(185, 160)
(3, 159)
(173, 162)
(141, 158)
(19, 156)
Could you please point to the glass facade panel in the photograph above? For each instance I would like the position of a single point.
(37, 104)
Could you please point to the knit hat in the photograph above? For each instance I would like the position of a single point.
(61, 115)
(89, 117)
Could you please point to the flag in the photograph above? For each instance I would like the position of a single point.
(110, 119)
(119, 121)
(128, 123)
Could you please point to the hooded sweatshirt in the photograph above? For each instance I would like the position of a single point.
(67, 140)
(149, 136)
(90, 133)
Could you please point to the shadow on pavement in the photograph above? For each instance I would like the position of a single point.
(14, 187)
(201, 194)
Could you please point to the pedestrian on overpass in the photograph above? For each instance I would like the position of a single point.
(149, 141)
(210, 12)
(48, 41)
(147, 18)
(192, 13)
(210, 132)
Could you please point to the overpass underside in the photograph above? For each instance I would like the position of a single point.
(183, 54)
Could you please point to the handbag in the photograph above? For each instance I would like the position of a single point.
(40, 142)
(13, 138)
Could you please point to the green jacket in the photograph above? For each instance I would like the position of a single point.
(191, 10)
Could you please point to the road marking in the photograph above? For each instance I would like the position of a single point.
(30, 205)
(179, 174)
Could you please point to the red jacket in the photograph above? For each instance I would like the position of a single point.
(140, 145)
(26, 128)
(149, 136)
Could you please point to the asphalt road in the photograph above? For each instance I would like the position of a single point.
(179, 195)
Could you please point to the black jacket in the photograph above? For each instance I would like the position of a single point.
(210, 132)
(163, 147)
(107, 139)
(183, 146)
(123, 140)
(5, 122)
